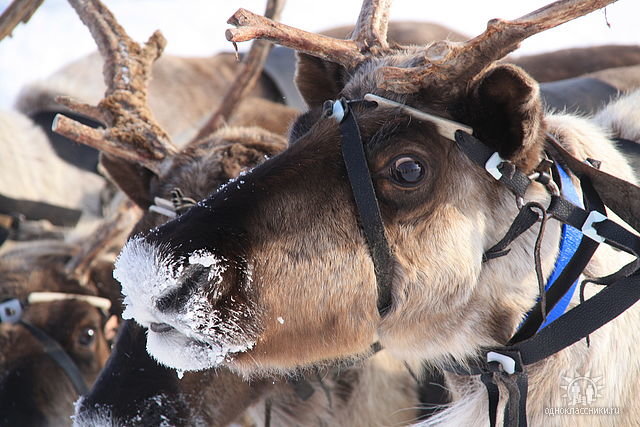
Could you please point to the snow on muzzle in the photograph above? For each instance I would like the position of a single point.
(172, 296)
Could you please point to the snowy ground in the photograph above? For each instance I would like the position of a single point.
(55, 36)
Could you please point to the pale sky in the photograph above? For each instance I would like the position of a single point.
(55, 36)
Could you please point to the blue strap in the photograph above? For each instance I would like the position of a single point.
(569, 242)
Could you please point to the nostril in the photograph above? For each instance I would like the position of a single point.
(193, 277)
(160, 327)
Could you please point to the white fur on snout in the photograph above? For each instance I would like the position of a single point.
(200, 340)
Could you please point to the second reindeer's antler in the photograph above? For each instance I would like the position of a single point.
(252, 66)
(441, 62)
(109, 236)
(132, 133)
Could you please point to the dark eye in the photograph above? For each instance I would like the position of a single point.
(87, 336)
(407, 170)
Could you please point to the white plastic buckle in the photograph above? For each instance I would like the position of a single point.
(163, 207)
(492, 165)
(10, 311)
(338, 111)
(587, 228)
(507, 363)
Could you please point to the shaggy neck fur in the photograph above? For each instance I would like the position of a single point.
(609, 360)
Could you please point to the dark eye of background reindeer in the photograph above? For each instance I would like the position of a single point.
(87, 336)
(407, 171)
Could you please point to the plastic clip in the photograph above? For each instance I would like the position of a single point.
(492, 165)
(10, 311)
(587, 228)
(507, 363)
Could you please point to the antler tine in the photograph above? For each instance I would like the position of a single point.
(132, 133)
(371, 28)
(18, 11)
(252, 26)
(109, 235)
(445, 61)
(252, 66)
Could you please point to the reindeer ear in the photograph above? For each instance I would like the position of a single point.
(239, 156)
(319, 80)
(134, 180)
(507, 113)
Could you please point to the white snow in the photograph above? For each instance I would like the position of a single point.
(200, 339)
(202, 257)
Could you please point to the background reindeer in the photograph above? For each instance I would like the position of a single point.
(69, 297)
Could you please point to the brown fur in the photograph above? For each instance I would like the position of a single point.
(311, 266)
(34, 389)
(347, 394)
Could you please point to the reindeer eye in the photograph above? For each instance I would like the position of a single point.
(407, 171)
(87, 336)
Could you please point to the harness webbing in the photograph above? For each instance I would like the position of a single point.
(620, 294)
(11, 311)
(366, 202)
(507, 363)
(57, 353)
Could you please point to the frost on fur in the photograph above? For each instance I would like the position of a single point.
(199, 339)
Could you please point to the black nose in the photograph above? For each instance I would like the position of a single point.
(160, 327)
(193, 277)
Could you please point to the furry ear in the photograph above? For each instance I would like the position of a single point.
(134, 180)
(318, 80)
(239, 156)
(506, 112)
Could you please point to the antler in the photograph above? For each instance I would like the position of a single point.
(252, 66)
(108, 236)
(371, 28)
(18, 11)
(369, 35)
(132, 133)
(445, 61)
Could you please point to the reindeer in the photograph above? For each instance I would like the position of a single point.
(59, 307)
(149, 394)
(201, 84)
(273, 271)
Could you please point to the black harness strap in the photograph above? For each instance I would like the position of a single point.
(57, 215)
(570, 273)
(512, 178)
(622, 289)
(367, 205)
(508, 363)
(523, 221)
(57, 353)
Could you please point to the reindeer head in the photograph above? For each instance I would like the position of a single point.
(68, 305)
(273, 271)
